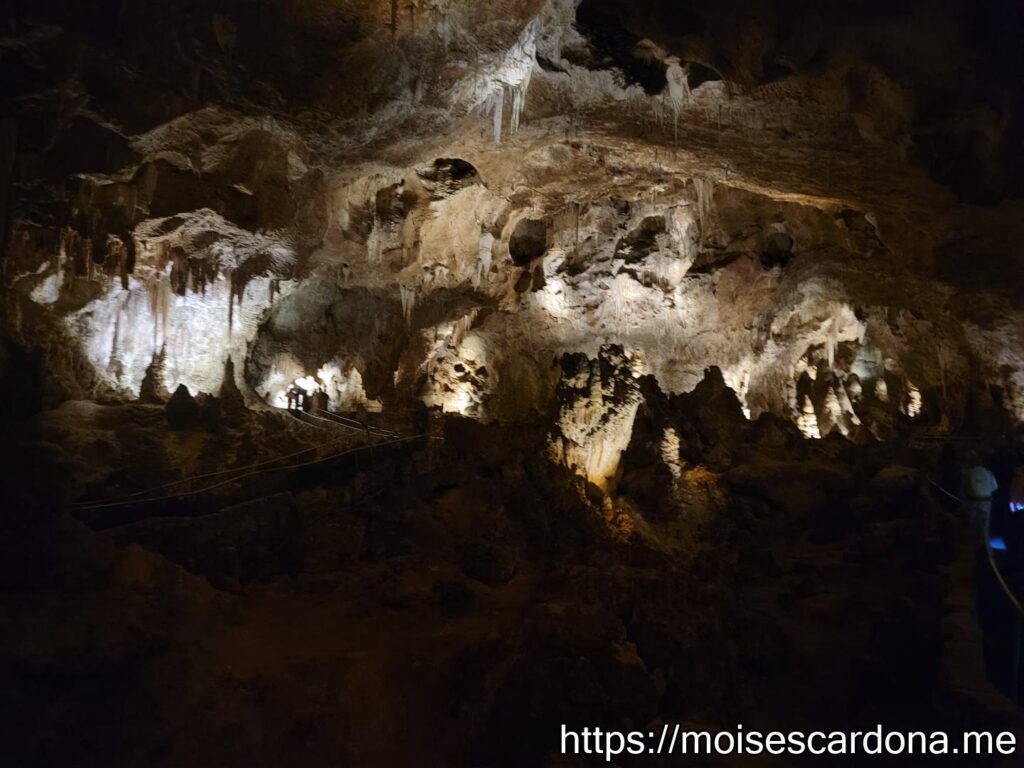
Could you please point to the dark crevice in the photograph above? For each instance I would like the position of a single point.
(642, 241)
(528, 241)
(777, 250)
(698, 74)
(612, 45)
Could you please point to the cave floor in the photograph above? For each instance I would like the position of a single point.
(457, 601)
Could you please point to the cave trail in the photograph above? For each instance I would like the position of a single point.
(376, 438)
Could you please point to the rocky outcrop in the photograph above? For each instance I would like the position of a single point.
(656, 226)
(182, 409)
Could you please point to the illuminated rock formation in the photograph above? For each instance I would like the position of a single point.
(613, 200)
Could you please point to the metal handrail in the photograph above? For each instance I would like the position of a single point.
(1019, 624)
(205, 475)
(134, 497)
(221, 484)
(355, 425)
(308, 419)
(1018, 646)
(991, 556)
(998, 573)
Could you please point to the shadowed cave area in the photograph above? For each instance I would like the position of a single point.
(434, 383)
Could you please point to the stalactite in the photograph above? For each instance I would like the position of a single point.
(705, 189)
(832, 342)
(518, 101)
(179, 270)
(408, 297)
(76, 249)
(231, 301)
(499, 112)
(115, 364)
(513, 123)
(462, 327)
(159, 307)
(117, 259)
(373, 244)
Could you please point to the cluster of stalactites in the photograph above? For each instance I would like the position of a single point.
(190, 273)
(516, 94)
(511, 82)
(239, 278)
(112, 255)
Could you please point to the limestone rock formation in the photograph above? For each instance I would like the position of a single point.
(624, 204)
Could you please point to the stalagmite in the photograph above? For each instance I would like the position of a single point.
(677, 90)
(670, 452)
(846, 406)
(854, 388)
(832, 414)
(881, 390)
(483, 265)
(913, 401)
(807, 421)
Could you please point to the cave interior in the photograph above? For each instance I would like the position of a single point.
(399, 383)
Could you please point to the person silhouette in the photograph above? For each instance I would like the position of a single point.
(980, 484)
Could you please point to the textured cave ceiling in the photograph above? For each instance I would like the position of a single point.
(437, 200)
